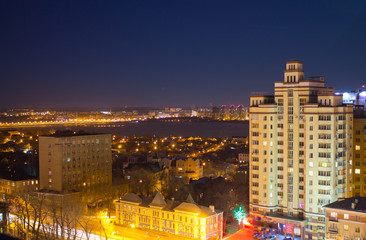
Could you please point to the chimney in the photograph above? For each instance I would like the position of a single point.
(212, 208)
(354, 204)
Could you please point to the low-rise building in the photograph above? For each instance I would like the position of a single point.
(181, 218)
(243, 157)
(17, 184)
(346, 219)
(188, 168)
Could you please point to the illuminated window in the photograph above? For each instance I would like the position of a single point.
(345, 227)
(346, 216)
(310, 164)
(357, 171)
(357, 147)
(311, 173)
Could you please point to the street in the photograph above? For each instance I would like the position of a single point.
(244, 233)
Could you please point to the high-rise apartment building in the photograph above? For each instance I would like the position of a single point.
(71, 162)
(359, 152)
(300, 153)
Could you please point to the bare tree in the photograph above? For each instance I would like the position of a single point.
(86, 226)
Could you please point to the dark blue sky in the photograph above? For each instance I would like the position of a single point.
(172, 53)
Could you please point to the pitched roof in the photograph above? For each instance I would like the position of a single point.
(131, 197)
(357, 204)
(158, 201)
(188, 207)
(190, 199)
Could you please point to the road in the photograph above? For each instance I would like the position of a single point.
(241, 234)
(120, 232)
(69, 122)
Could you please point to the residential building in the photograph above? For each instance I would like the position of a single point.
(232, 112)
(71, 161)
(180, 218)
(13, 185)
(346, 219)
(4, 215)
(300, 152)
(243, 157)
(188, 168)
(359, 153)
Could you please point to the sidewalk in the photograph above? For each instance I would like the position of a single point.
(232, 227)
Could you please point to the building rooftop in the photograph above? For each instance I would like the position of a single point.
(131, 197)
(7, 237)
(17, 176)
(158, 201)
(69, 133)
(189, 207)
(357, 204)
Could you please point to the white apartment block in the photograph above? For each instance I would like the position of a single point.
(73, 162)
(300, 153)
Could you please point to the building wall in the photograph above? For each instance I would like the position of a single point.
(179, 223)
(294, 170)
(9, 187)
(346, 227)
(75, 162)
(190, 168)
(359, 158)
(243, 157)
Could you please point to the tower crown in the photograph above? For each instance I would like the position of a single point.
(293, 72)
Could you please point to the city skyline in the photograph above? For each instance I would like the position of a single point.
(75, 54)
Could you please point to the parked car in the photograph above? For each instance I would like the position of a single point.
(256, 234)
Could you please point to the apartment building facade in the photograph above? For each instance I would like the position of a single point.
(17, 185)
(188, 168)
(359, 154)
(346, 219)
(300, 152)
(74, 161)
(180, 218)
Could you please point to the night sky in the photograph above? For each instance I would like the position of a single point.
(105, 54)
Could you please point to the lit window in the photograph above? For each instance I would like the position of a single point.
(310, 164)
(311, 173)
(357, 171)
(357, 147)
(346, 216)
(345, 227)
(333, 214)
